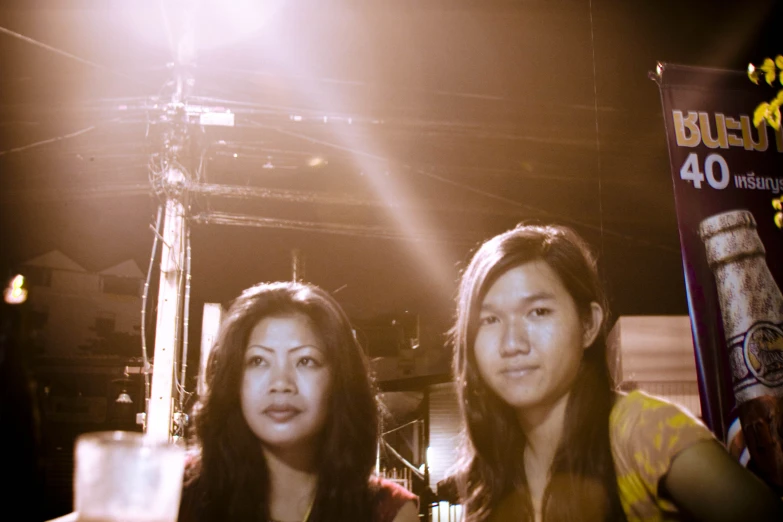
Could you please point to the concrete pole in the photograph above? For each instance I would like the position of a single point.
(162, 396)
(163, 393)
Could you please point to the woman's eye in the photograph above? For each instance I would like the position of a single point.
(255, 361)
(540, 312)
(488, 319)
(309, 362)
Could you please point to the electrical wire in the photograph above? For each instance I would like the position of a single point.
(225, 218)
(167, 27)
(601, 229)
(223, 71)
(402, 459)
(107, 191)
(144, 297)
(50, 140)
(398, 428)
(273, 109)
(185, 315)
(69, 55)
(180, 263)
(597, 133)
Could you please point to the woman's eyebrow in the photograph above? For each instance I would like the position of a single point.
(295, 348)
(539, 296)
(529, 298)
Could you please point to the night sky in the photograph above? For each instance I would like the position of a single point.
(458, 119)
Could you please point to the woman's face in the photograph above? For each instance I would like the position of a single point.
(286, 381)
(531, 337)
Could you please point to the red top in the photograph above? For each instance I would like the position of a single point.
(389, 498)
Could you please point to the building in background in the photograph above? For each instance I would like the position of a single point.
(73, 312)
(655, 354)
(81, 330)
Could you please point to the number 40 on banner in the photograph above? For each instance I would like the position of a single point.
(691, 171)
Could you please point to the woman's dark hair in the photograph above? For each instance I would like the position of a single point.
(230, 473)
(583, 483)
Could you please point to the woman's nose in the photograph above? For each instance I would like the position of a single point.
(515, 339)
(282, 380)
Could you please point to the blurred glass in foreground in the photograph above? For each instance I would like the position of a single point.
(127, 477)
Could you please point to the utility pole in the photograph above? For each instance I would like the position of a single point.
(173, 183)
(159, 420)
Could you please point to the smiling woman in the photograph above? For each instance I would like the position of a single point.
(548, 438)
(288, 428)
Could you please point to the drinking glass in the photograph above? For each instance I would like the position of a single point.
(127, 477)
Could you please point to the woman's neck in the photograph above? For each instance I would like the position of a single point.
(293, 480)
(543, 429)
(543, 426)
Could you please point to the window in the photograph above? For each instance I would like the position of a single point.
(38, 319)
(104, 324)
(37, 275)
(121, 285)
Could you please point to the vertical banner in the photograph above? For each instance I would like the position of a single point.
(726, 173)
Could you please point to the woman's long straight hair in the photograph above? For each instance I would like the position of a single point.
(583, 483)
(229, 471)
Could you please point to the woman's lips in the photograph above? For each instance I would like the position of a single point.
(518, 371)
(281, 413)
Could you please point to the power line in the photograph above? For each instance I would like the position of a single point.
(545, 213)
(50, 140)
(69, 55)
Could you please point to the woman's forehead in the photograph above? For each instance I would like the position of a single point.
(285, 328)
(525, 281)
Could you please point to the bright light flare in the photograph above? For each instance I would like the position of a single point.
(186, 26)
(316, 161)
(15, 293)
(286, 50)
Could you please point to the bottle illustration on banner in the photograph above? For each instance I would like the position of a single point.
(751, 307)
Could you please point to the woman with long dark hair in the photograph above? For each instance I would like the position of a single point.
(288, 429)
(547, 437)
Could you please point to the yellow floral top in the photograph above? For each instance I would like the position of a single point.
(646, 433)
